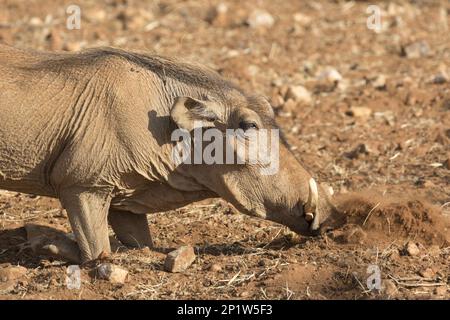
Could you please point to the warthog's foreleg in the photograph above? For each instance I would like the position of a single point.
(130, 228)
(87, 209)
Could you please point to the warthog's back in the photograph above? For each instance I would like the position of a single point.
(35, 99)
(50, 102)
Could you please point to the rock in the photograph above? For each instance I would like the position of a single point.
(133, 19)
(95, 15)
(302, 19)
(360, 149)
(215, 267)
(417, 49)
(389, 288)
(330, 75)
(379, 82)
(278, 82)
(56, 42)
(252, 70)
(260, 19)
(412, 249)
(441, 78)
(295, 129)
(36, 22)
(111, 273)
(146, 251)
(427, 273)
(180, 259)
(72, 46)
(359, 112)
(218, 15)
(428, 184)
(434, 251)
(9, 273)
(387, 116)
(244, 294)
(299, 94)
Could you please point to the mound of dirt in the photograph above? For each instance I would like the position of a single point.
(372, 217)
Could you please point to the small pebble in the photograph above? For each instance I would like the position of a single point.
(412, 249)
(111, 273)
(179, 260)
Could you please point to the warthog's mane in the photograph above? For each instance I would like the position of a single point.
(189, 73)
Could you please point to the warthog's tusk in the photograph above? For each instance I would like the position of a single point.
(309, 216)
(313, 199)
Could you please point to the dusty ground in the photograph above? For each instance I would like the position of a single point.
(398, 148)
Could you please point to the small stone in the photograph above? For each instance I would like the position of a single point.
(389, 288)
(218, 15)
(427, 273)
(215, 267)
(244, 294)
(441, 78)
(55, 39)
(95, 15)
(278, 82)
(387, 116)
(412, 249)
(299, 94)
(295, 129)
(302, 19)
(146, 251)
(330, 75)
(12, 273)
(35, 22)
(359, 112)
(416, 50)
(111, 273)
(434, 250)
(72, 46)
(180, 259)
(360, 149)
(379, 82)
(260, 19)
(252, 70)
(428, 184)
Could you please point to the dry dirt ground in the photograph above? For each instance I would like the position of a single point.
(382, 125)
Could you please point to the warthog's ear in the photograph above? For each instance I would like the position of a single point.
(189, 113)
(263, 105)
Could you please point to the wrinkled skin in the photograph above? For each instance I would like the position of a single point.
(94, 130)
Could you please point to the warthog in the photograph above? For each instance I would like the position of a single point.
(93, 129)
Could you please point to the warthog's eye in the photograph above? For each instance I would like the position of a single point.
(247, 125)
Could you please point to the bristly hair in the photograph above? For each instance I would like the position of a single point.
(189, 73)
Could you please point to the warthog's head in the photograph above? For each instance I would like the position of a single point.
(275, 186)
